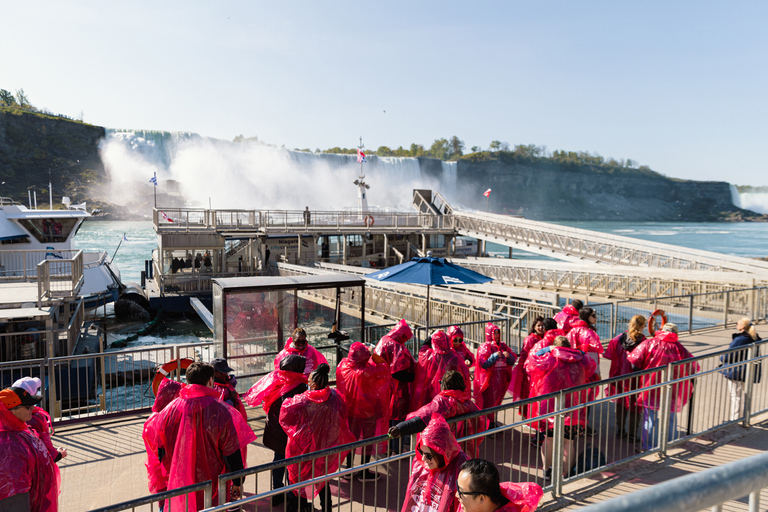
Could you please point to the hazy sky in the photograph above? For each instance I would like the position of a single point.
(679, 86)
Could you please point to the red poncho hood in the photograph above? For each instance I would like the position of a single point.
(358, 354)
(440, 343)
(455, 331)
(570, 310)
(313, 356)
(364, 384)
(523, 497)
(438, 437)
(489, 330)
(667, 337)
(401, 332)
(167, 392)
(272, 386)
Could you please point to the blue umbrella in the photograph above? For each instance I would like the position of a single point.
(431, 272)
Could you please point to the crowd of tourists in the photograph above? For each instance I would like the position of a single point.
(199, 430)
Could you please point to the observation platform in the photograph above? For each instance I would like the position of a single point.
(105, 465)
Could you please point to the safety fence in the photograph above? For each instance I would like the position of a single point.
(540, 440)
(707, 490)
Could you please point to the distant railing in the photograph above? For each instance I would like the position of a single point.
(690, 312)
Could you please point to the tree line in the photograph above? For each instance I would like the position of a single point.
(453, 149)
(20, 101)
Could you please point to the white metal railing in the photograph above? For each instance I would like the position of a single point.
(512, 443)
(709, 489)
(60, 277)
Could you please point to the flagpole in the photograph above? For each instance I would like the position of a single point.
(155, 187)
(487, 203)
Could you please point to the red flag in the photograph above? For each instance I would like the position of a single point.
(487, 193)
(167, 218)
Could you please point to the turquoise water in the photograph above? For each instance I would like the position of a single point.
(95, 235)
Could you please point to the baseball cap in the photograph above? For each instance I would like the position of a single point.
(220, 365)
(31, 384)
(14, 397)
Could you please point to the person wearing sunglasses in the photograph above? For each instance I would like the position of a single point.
(479, 489)
(456, 335)
(298, 345)
(435, 470)
(40, 423)
(28, 476)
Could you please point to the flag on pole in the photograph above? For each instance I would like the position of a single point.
(167, 218)
(153, 180)
(487, 193)
(360, 156)
(125, 238)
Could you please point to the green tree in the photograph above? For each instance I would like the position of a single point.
(457, 146)
(384, 151)
(416, 150)
(495, 145)
(475, 149)
(7, 98)
(22, 99)
(441, 149)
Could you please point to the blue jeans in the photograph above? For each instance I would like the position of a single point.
(650, 434)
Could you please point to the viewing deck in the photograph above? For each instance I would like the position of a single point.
(105, 462)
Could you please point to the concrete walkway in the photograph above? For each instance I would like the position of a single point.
(106, 459)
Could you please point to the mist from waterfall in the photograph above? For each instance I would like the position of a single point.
(253, 175)
(757, 201)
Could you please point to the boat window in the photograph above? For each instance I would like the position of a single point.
(49, 230)
(20, 240)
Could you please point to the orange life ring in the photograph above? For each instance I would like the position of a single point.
(652, 320)
(167, 368)
(369, 221)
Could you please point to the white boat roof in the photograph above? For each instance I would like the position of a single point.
(21, 212)
(10, 231)
(24, 313)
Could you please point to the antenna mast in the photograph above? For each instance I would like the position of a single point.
(362, 201)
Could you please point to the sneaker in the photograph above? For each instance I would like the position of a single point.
(548, 475)
(368, 476)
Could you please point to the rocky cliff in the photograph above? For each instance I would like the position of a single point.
(547, 191)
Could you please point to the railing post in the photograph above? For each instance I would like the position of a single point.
(748, 384)
(178, 364)
(664, 411)
(558, 448)
(690, 314)
(103, 396)
(614, 313)
(725, 309)
(208, 495)
(55, 409)
(223, 498)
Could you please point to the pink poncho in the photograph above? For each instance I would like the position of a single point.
(272, 386)
(523, 497)
(432, 365)
(197, 431)
(583, 338)
(41, 425)
(392, 349)
(25, 465)
(365, 388)
(455, 331)
(449, 403)
(620, 365)
(660, 351)
(157, 472)
(518, 386)
(435, 490)
(566, 317)
(314, 420)
(313, 356)
(491, 383)
(560, 368)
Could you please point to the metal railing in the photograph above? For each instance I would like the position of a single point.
(60, 277)
(709, 489)
(691, 312)
(165, 496)
(518, 448)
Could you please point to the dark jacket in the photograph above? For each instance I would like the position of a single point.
(275, 437)
(739, 373)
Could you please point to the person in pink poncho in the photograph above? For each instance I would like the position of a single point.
(435, 470)
(315, 420)
(272, 391)
(518, 386)
(297, 345)
(202, 438)
(41, 420)
(568, 315)
(435, 358)
(29, 479)
(456, 335)
(157, 473)
(363, 380)
(453, 400)
(553, 369)
(402, 367)
(480, 490)
(661, 350)
(583, 335)
(493, 370)
(618, 350)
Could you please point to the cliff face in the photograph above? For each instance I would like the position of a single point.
(31, 144)
(550, 192)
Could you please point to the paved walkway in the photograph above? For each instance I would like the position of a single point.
(106, 459)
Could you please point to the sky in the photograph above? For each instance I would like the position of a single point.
(677, 86)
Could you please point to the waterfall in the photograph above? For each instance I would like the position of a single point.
(252, 175)
(448, 187)
(735, 199)
(755, 199)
